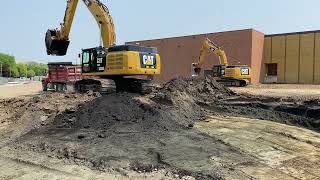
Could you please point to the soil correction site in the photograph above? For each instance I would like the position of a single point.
(185, 129)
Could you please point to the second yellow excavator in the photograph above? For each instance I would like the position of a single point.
(107, 61)
(228, 75)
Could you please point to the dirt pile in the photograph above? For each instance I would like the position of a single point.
(129, 132)
(123, 132)
(175, 104)
(206, 93)
(196, 90)
(18, 116)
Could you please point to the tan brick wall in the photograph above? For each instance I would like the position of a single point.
(297, 56)
(317, 59)
(306, 58)
(292, 59)
(278, 44)
(267, 50)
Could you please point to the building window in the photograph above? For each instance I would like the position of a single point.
(272, 69)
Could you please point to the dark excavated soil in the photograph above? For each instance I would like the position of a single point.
(122, 132)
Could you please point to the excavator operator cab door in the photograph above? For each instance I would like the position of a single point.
(219, 71)
(94, 60)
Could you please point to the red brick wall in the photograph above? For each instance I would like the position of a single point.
(257, 54)
(178, 53)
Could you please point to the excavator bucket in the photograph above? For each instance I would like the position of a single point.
(195, 70)
(54, 45)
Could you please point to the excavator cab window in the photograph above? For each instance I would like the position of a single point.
(218, 70)
(94, 60)
(86, 61)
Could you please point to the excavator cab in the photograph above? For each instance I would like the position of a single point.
(55, 46)
(94, 60)
(219, 71)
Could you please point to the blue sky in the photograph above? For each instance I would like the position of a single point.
(24, 22)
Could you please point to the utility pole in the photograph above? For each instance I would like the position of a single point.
(0, 69)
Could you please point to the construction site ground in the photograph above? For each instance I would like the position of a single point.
(297, 91)
(22, 89)
(187, 129)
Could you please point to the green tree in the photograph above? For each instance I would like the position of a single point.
(14, 72)
(9, 66)
(22, 69)
(31, 73)
(39, 69)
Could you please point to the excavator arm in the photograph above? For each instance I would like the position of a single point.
(57, 40)
(208, 45)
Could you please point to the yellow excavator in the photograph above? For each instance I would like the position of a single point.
(108, 61)
(228, 75)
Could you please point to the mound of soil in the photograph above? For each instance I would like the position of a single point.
(124, 131)
(195, 89)
(175, 104)
(19, 116)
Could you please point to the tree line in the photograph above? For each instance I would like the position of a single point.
(9, 68)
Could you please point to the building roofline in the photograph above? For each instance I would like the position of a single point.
(174, 37)
(293, 33)
(258, 31)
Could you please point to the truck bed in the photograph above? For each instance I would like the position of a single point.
(64, 74)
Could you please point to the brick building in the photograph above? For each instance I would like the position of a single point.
(277, 58)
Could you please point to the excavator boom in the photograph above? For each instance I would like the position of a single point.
(57, 40)
(102, 16)
(208, 45)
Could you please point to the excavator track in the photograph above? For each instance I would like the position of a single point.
(233, 82)
(133, 85)
(86, 85)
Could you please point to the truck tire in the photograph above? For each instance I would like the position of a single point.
(64, 87)
(44, 87)
(56, 87)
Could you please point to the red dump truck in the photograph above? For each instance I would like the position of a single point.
(61, 74)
